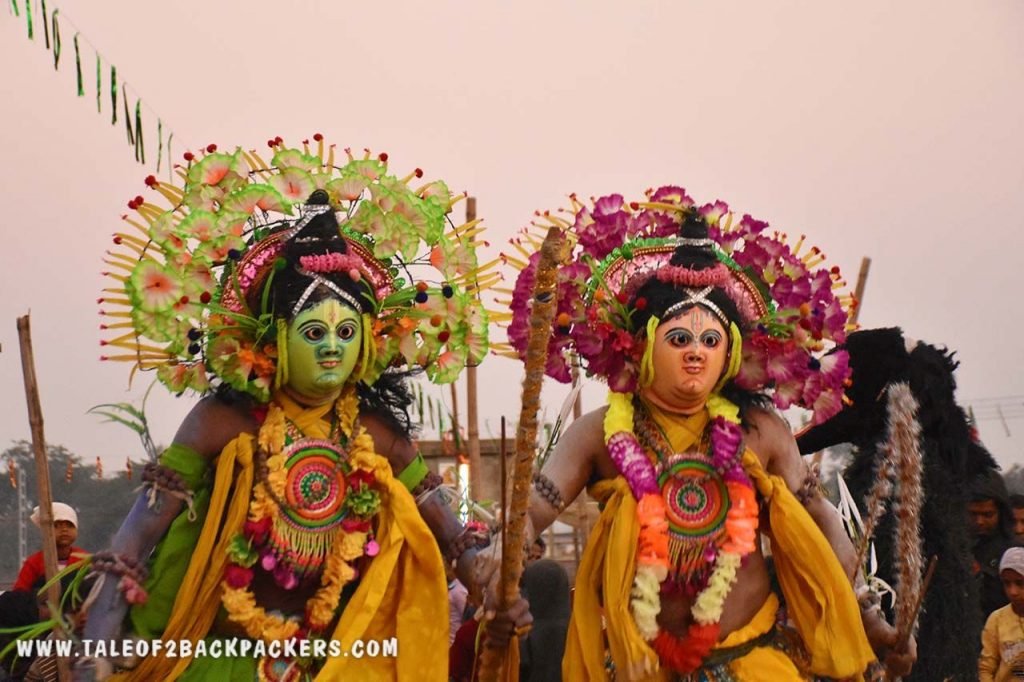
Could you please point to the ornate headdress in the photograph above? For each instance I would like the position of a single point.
(193, 281)
(780, 298)
(637, 264)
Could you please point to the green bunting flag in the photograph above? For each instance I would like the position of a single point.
(56, 41)
(46, 27)
(140, 147)
(51, 36)
(170, 158)
(78, 69)
(127, 117)
(113, 94)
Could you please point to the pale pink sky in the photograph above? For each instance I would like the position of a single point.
(881, 129)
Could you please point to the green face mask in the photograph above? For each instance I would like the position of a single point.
(323, 348)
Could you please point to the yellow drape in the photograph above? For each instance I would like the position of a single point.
(817, 591)
(400, 595)
(818, 594)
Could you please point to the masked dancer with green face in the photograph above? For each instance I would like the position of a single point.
(292, 515)
(698, 322)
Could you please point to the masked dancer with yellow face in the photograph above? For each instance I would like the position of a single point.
(698, 322)
(291, 526)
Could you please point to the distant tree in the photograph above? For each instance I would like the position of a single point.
(101, 503)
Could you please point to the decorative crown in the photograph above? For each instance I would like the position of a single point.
(789, 311)
(188, 297)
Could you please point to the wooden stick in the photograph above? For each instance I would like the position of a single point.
(904, 636)
(472, 418)
(35, 420)
(858, 293)
(504, 497)
(577, 405)
(541, 318)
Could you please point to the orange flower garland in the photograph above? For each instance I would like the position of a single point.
(652, 558)
(351, 541)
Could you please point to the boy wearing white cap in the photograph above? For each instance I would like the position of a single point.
(1002, 641)
(65, 532)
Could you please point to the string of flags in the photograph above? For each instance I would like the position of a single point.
(54, 25)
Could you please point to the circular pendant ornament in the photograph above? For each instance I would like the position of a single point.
(697, 502)
(315, 485)
(278, 670)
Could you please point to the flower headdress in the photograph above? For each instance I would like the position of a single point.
(635, 265)
(192, 280)
(785, 300)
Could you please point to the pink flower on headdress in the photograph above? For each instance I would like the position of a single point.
(658, 224)
(790, 294)
(603, 229)
(712, 212)
(672, 194)
(750, 226)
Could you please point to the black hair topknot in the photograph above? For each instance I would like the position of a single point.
(660, 296)
(320, 236)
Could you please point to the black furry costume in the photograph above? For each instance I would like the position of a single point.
(949, 639)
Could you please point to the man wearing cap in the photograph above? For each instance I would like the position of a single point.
(65, 532)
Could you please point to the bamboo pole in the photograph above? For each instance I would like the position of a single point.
(472, 418)
(541, 318)
(35, 420)
(577, 405)
(858, 293)
(503, 454)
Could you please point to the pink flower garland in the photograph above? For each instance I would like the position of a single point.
(680, 276)
(332, 262)
(683, 654)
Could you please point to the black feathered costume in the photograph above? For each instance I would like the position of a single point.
(951, 620)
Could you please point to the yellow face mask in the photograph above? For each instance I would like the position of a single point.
(689, 356)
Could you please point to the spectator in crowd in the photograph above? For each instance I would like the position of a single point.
(1002, 641)
(457, 595)
(65, 532)
(463, 655)
(1017, 505)
(545, 586)
(992, 524)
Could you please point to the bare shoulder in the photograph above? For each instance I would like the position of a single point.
(587, 432)
(767, 433)
(388, 441)
(582, 445)
(212, 424)
(770, 437)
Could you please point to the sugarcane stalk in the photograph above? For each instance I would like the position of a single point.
(541, 319)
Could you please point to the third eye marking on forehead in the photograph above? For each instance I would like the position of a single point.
(697, 316)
